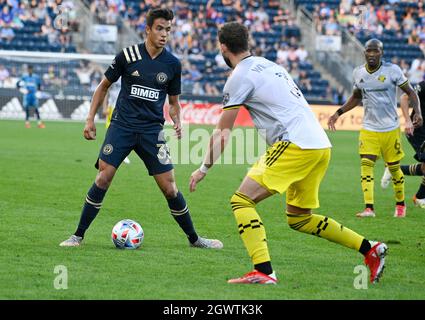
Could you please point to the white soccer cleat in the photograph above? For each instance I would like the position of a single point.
(367, 213)
(73, 241)
(207, 243)
(386, 178)
(127, 160)
(419, 202)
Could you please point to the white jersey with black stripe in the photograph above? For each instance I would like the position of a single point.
(379, 95)
(275, 103)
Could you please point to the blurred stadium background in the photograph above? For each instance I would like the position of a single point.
(70, 44)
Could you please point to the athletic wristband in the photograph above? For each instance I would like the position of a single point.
(339, 111)
(203, 168)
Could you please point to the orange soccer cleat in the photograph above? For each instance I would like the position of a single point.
(255, 277)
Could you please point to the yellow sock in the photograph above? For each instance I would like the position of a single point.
(398, 181)
(366, 171)
(325, 227)
(250, 227)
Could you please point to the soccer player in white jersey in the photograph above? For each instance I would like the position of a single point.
(375, 85)
(296, 160)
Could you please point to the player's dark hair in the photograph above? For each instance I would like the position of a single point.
(235, 36)
(157, 13)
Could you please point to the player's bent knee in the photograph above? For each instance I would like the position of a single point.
(104, 177)
(297, 221)
(240, 200)
(170, 192)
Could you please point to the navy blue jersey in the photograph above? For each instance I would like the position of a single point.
(145, 83)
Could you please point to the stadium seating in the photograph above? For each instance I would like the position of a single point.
(268, 36)
(272, 35)
(394, 36)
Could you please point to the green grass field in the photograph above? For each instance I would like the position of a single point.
(45, 175)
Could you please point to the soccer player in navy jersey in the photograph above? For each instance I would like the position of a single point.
(148, 74)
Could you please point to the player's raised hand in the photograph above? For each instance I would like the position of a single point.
(417, 120)
(90, 130)
(332, 120)
(196, 176)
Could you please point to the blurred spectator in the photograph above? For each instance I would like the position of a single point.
(6, 16)
(51, 33)
(219, 60)
(197, 89)
(304, 81)
(192, 75)
(295, 72)
(7, 34)
(292, 55)
(211, 89)
(301, 53)
(282, 55)
(404, 66)
(195, 51)
(4, 75)
(85, 71)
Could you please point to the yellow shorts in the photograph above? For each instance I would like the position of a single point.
(387, 144)
(287, 167)
(109, 116)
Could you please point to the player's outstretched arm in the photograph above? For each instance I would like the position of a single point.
(97, 101)
(414, 103)
(218, 142)
(354, 100)
(404, 106)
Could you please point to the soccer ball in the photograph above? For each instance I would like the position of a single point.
(127, 234)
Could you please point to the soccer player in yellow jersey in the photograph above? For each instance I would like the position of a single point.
(295, 162)
(375, 85)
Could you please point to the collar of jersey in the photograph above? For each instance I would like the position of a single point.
(148, 55)
(373, 71)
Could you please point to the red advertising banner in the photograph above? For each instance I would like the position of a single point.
(209, 113)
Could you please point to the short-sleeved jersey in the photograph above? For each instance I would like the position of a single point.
(275, 103)
(31, 83)
(145, 83)
(379, 95)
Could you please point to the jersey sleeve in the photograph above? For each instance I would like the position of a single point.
(116, 68)
(237, 91)
(174, 87)
(398, 77)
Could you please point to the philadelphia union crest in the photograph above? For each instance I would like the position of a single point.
(107, 149)
(161, 78)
